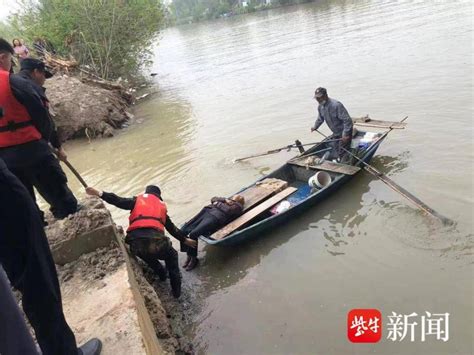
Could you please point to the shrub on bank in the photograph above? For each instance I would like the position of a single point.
(112, 38)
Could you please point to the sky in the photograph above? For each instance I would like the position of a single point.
(6, 8)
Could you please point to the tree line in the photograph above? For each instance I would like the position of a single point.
(186, 11)
(111, 38)
(114, 38)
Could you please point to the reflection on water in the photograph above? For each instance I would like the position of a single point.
(236, 87)
(391, 164)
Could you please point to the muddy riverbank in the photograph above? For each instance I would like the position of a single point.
(82, 107)
(101, 266)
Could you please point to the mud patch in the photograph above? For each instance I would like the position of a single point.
(93, 266)
(179, 312)
(92, 215)
(156, 310)
(83, 110)
(92, 270)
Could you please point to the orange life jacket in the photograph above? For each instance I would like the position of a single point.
(16, 126)
(149, 212)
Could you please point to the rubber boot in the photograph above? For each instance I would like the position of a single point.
(174, 273)
(160, 271)
(92, 347)
(175, 283)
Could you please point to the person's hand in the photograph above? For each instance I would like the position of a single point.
(313, 129)
(93, 192)
(345, 139)
(191, 243)
(61, 154)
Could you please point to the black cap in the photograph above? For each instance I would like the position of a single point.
(32, 63)
(320, 92)
(152, 189)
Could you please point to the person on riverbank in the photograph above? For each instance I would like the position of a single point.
(210, 219)
(21, 51)
(146, 232)
(338, 120)
(26, 130)
(26, 257)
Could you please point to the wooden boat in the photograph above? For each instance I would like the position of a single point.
(290, 183)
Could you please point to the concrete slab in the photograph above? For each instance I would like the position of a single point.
(105, 309)
(69, 250)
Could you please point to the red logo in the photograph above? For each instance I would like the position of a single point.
(364, 325)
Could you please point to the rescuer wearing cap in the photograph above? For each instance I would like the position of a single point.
(146, 231)
(338, 120)
(26, 130)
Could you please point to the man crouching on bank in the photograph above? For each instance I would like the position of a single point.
(146, 232)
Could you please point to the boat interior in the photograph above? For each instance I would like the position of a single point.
(296, 181)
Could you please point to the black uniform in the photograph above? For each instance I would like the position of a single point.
(150, 244)
(34, 163)
(27, 260)
(15, 338)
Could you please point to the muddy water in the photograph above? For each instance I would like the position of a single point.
(234, 87)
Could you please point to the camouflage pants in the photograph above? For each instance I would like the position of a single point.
(151, 251)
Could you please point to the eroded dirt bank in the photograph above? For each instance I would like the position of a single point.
(83, 108)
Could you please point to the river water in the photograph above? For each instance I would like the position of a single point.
(235, 87)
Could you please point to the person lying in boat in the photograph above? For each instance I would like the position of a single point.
(338, 120)
(209, 220)
(146, 232)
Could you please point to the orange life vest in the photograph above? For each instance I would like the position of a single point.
(149, 212)
(16, 126)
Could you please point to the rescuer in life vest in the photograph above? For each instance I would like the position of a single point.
(146, 232)
(26, 130)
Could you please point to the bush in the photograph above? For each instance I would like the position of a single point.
(112, 37)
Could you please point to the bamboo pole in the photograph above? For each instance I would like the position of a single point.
(278, 150)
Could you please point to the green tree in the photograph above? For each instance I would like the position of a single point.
(112, 37)
(7, 31)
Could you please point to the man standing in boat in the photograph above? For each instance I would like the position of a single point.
(338, 120)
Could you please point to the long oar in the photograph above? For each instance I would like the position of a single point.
(278, 150)
(394, 186)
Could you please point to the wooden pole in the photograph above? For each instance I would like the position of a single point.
(288, 147)
(262, 154)
(75, 172)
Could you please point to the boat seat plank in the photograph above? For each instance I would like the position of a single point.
(252, 213)
(368, 122)
(326, 166)
(261, 190)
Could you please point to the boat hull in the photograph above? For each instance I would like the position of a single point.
(259, 228)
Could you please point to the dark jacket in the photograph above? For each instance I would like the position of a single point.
(32, 96)
(336, 117)
(129, 204)
(225, 210)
